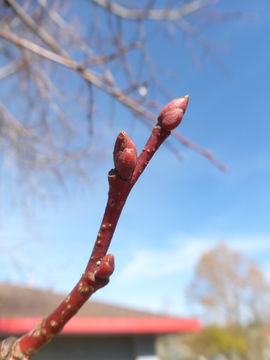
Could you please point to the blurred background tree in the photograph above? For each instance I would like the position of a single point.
(61, 59)
(232, 295)
(213, 340)
(229, 287)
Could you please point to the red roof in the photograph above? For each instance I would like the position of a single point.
(21, 309)
(106, 325)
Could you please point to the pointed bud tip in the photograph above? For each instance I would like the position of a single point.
(187, 99)
(182, 102)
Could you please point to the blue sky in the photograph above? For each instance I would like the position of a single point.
(176, 210)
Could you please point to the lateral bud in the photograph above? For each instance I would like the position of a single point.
(106, 267)
(171, 115)
(124, 156)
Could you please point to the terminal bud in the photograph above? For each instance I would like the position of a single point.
(172, 114)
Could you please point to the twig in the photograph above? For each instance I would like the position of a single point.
(36, 28)
(100, 266)
(9, 70)
(150, 13)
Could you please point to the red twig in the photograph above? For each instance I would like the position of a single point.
(100, 266)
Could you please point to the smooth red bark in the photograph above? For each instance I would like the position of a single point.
(122, 178)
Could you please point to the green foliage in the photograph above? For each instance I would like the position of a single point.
(213, 340)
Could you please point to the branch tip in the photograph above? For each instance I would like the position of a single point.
(171, 115)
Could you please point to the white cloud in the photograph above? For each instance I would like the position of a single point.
(183, 252)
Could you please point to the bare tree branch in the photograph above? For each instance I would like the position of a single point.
(9, 70)
(153, 14)
(113, 91)
(109, 55)
(36, 28)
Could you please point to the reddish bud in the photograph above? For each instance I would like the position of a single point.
(126, 162)
(172, 114)
(123, 141)
(106, 267)
(125, 156)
